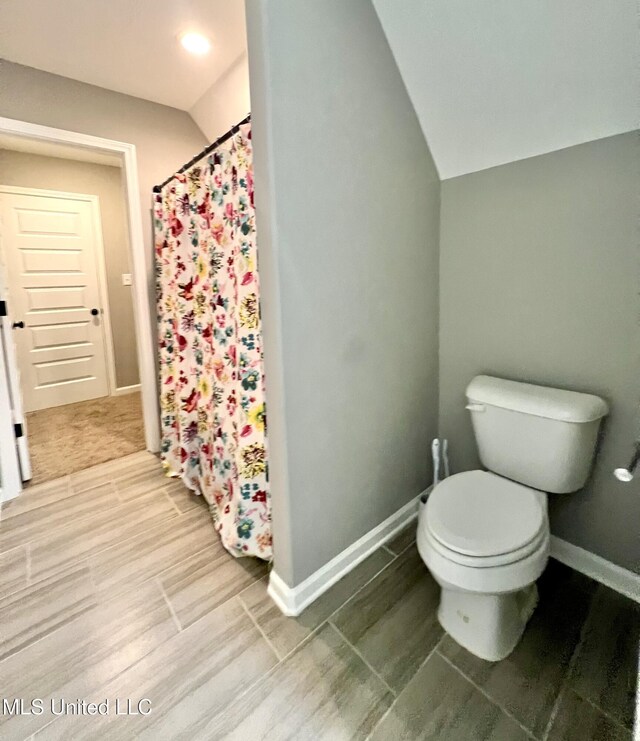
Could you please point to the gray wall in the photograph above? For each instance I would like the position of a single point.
(348, 213)
(54, 173)
(165, 138)
(539, 271)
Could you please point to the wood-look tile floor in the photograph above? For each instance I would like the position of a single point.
(114, 586)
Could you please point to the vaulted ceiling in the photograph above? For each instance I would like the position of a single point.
(130, 46)
(493, 81)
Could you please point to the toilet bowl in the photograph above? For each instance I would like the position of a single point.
(485, 540)
(484, 535)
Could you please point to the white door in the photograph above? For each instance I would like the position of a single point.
(50, 246)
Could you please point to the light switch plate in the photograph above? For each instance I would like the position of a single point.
(126, 279)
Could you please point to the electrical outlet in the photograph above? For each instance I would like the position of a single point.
(126, 279)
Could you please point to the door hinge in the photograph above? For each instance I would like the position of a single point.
(3, 308)
(18, 430)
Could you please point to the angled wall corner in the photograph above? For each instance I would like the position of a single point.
(270, 303)
(348, 203)
(225, 103)
(500, 82)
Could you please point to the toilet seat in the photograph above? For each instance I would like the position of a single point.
(481, 520)
(497, 574)
(485, 562)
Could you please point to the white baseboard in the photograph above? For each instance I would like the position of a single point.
(293, 600)
(122, 390)
(607, 573)
(6, 497)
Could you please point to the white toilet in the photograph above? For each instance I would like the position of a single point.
(484, 535)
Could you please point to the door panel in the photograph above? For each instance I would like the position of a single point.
(49, 336)
(56, 299)
(39, 261)
(47, 222)
(54, 372)
(50, 251)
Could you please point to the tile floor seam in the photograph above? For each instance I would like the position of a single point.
(249, 688)
(612, 718)
(583, 632)
(72, 570)
(397, 697)
(7, 520)
(73, 492)
(174, 505)
(106, 547)
(69, 493)
(565, 688)
(30, 582)
(483, 692)
(259, 629)
(554, 711)
(47, 635)
(32, 737)
(174, 617)
(28, 575)
(138, 478)
(360, 588)
(244, 589)
(51, 631)
(77, 518)
(569, 672)
(20, 586)
(405, 549)
(358, 653)
(141, 475)
(305, 640)
(122, 586)
(98, 689)
(193, 554)
(204, 615)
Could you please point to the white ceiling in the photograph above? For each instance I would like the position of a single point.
(129, 46)
(52, 149)
(499, 81)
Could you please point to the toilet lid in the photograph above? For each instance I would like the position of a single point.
(480, 514)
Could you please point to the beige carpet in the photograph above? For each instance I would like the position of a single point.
(66, 439)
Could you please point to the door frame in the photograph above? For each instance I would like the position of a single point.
(11, 372)
(101, 267)
(10, 478)
(142, 292)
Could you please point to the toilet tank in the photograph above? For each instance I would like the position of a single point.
(541, 437)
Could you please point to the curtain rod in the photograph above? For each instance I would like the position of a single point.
(209, 148)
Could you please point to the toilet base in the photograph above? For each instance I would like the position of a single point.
(487, 625)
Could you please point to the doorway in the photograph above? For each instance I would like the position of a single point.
(79, 374)
(53, 253)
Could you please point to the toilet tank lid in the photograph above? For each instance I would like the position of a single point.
(540, 401)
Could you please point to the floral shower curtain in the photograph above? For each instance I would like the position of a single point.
(211, 371)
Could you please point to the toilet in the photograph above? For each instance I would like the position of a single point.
(484, 534)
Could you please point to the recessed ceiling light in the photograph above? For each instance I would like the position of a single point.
(195, 43)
